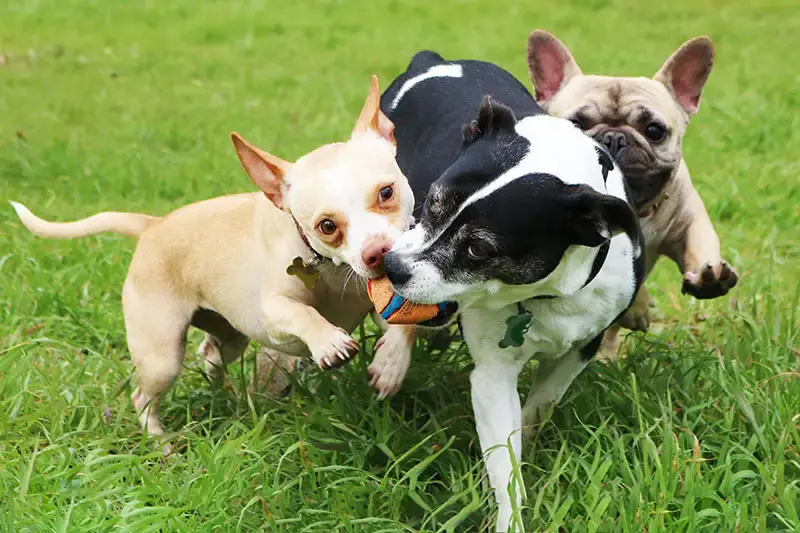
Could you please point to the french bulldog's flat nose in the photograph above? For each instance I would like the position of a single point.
(372, 254)
(396, 270)
(614, 141)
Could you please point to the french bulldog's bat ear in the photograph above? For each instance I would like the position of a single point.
(550, 65)
(597, 217)
(686, 72)
(372, 118)
(266, 170)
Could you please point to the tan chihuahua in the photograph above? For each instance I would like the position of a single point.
(271, 267)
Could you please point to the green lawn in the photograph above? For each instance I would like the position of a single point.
(127, 105)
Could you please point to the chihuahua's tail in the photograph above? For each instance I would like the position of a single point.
(131, 224)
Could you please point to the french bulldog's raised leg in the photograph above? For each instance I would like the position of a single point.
(392, 357)
(705, 274)
(288, 318)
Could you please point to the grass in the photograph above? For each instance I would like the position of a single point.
(127, 105)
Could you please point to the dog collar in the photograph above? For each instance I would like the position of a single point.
(598, 263)
(517, 325)
(318, 257)
(306, 271)
(653, 207)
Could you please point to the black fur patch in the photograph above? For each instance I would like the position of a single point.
(606, 163)
(590, 350)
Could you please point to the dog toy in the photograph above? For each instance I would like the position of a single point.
(395, 309)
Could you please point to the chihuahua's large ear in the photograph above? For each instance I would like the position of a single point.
(550, 65)
(266, 170)
(596, 217)
(372, 118)
(686, 72)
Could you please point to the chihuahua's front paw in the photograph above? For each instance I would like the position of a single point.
(713, 280)
(334, 350)
(389, 367)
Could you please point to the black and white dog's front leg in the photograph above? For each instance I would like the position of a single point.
(498, 412)
(498, 418)
(552, 379)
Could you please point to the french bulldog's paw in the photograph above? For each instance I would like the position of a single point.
(335, 350)
(637, 318)
(389, 367)
(713, 280)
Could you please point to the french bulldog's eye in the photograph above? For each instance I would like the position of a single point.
(327, 227)
(577, 122)
(655, 132)
(478, 250)
(386, 193)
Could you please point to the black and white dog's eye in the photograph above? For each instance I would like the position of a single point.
(478, 250)
(386, 193)
(655, 132)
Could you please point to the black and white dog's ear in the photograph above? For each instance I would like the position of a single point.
(493, 118)
(596, 217)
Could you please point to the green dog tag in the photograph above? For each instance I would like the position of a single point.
(307, 273)
(516, 328)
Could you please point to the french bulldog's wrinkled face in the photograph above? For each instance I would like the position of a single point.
(640, 121)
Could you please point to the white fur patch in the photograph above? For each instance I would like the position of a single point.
(439, 71)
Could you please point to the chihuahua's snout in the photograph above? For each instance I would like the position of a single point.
(373, 253)
(396, 270)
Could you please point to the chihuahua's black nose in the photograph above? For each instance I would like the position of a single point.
(397, 271)
(614, 141)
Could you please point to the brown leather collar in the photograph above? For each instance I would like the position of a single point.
(318, 257)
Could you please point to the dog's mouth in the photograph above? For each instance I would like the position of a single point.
(448, 311)
(646, 186)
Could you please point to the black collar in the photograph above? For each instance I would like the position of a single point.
(598, 263)
(318, 257)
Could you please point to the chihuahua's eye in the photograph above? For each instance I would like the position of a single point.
(327, 227)
(655, 132)
(386, 193)
(478, 250)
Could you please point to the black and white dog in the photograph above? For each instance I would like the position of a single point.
(525, 224)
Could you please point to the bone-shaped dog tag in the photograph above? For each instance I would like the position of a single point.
(516, 328)
(307, 273)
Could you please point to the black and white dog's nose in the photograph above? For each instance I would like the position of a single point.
(614, 141)
(396, 270)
